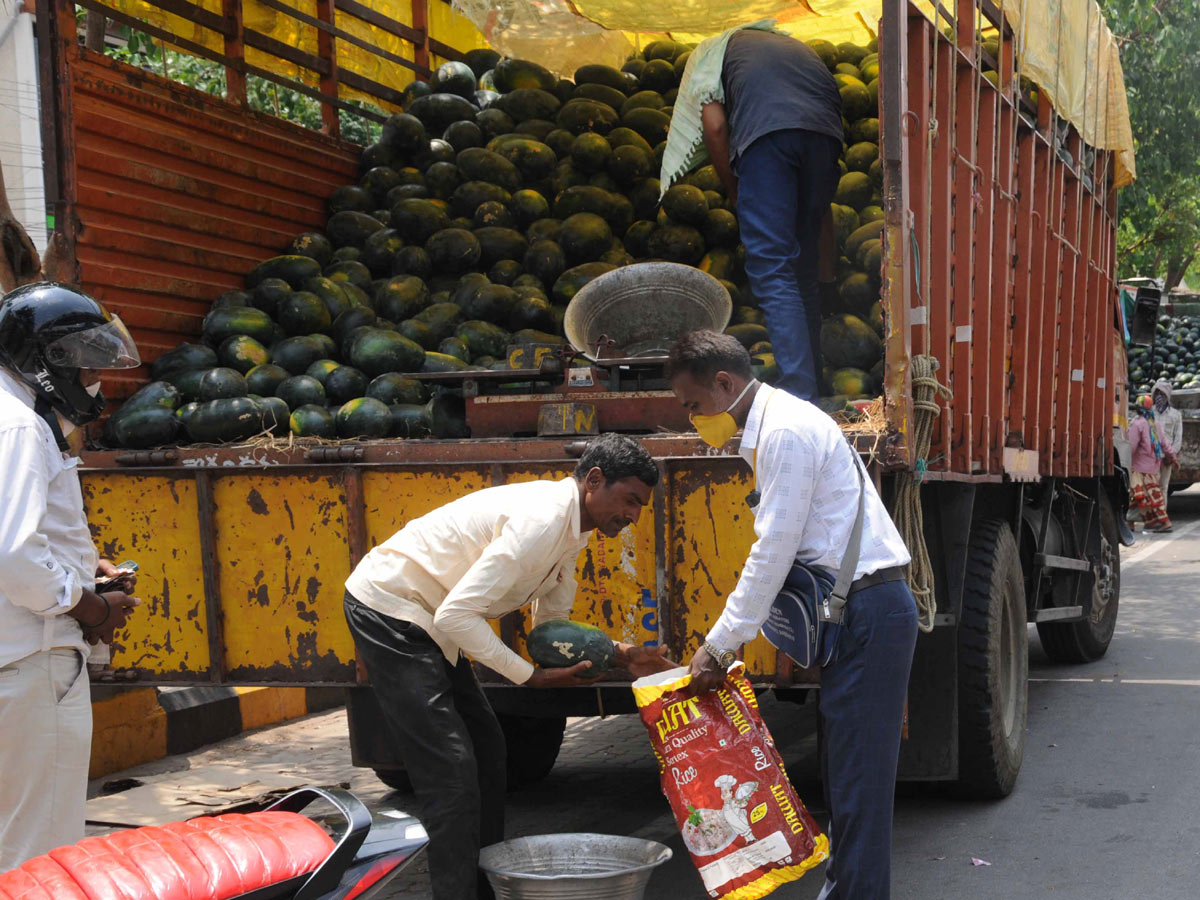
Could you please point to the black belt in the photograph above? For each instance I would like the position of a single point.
(896, 573)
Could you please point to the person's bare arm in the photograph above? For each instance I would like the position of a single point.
(716, 139)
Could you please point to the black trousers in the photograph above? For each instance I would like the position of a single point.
(450, 741)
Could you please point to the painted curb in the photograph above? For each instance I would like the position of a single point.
(134, 725)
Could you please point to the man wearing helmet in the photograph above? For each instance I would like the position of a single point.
(53, 341)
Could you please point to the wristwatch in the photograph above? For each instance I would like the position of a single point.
(724, 658)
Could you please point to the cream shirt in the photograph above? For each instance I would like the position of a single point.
(478, 558)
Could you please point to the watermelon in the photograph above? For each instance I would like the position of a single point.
(560, 643)
(849, 342)
(300, 390)
(142, 427)
(312, 420)
(184, 358)
(393, 388)
(264, 379)
(377, 352)
(242, 353)
(225, 419)
(223, 323)
(221, 383)
(363, 417)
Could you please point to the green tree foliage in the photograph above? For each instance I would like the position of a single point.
(1159, 232)
(262, 95)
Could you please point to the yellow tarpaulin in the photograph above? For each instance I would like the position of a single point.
(1063, 45)
(1066, 46)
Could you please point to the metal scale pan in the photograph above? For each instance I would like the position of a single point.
(643, 309)
(625, 322)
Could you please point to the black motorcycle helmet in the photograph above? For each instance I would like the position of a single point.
(48, 332)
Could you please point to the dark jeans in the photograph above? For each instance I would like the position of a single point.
(450, 741)
(786, 181)
(862, 713)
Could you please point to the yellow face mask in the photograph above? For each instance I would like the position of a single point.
(718, 430)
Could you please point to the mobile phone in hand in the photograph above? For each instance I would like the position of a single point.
(120, 581)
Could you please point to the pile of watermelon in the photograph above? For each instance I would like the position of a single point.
(1174, 356)
(482, 210)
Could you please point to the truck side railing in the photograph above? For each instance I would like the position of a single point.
(999, 252)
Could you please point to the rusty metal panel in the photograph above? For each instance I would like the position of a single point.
(1043, 294)
(899, 147)
(1003, 270)
(939, 260)
(984, 341)
(282, 564)
(963, 248)
(270, 543)
(1008, 256)
(177, 194)
(617, 577)
(394, 497)
(152, 520)
(1025, 328)
(710, 530)
(618, 584)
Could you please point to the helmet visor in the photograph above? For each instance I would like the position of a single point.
(107, 346)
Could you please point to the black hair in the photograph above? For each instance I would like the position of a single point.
(617, 456)
(702, 354)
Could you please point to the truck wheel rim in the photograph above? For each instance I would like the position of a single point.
(1102, 593)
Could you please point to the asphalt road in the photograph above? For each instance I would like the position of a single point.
(1106, 804)
(1104, 809)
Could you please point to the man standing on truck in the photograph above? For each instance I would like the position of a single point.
(52, 342)
(770, 116)
(421, 600)
(808, 499)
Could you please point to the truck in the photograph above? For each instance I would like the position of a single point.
(998, 268)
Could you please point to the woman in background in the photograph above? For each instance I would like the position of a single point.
(1150, 451)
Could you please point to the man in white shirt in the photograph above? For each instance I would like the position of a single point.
(809, 492)
(52, 341)
(421, 600)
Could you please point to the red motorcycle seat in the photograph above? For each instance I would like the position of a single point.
(212, 858)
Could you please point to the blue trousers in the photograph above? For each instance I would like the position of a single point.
(786, 181)
(862, 712)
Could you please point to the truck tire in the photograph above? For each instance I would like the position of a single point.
(993, 665)
(396, 779)
(1087, 640)
(533, 745)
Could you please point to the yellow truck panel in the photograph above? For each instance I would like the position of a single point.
(282, 561)
(272, 547)
(153, 520)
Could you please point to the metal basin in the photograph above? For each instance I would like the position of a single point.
(645, 308)
(572, 867)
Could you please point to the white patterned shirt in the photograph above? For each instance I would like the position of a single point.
(806, 511)
(46, 550)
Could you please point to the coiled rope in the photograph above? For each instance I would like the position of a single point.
(909, 520)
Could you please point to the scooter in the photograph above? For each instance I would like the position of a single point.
(275, 854)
